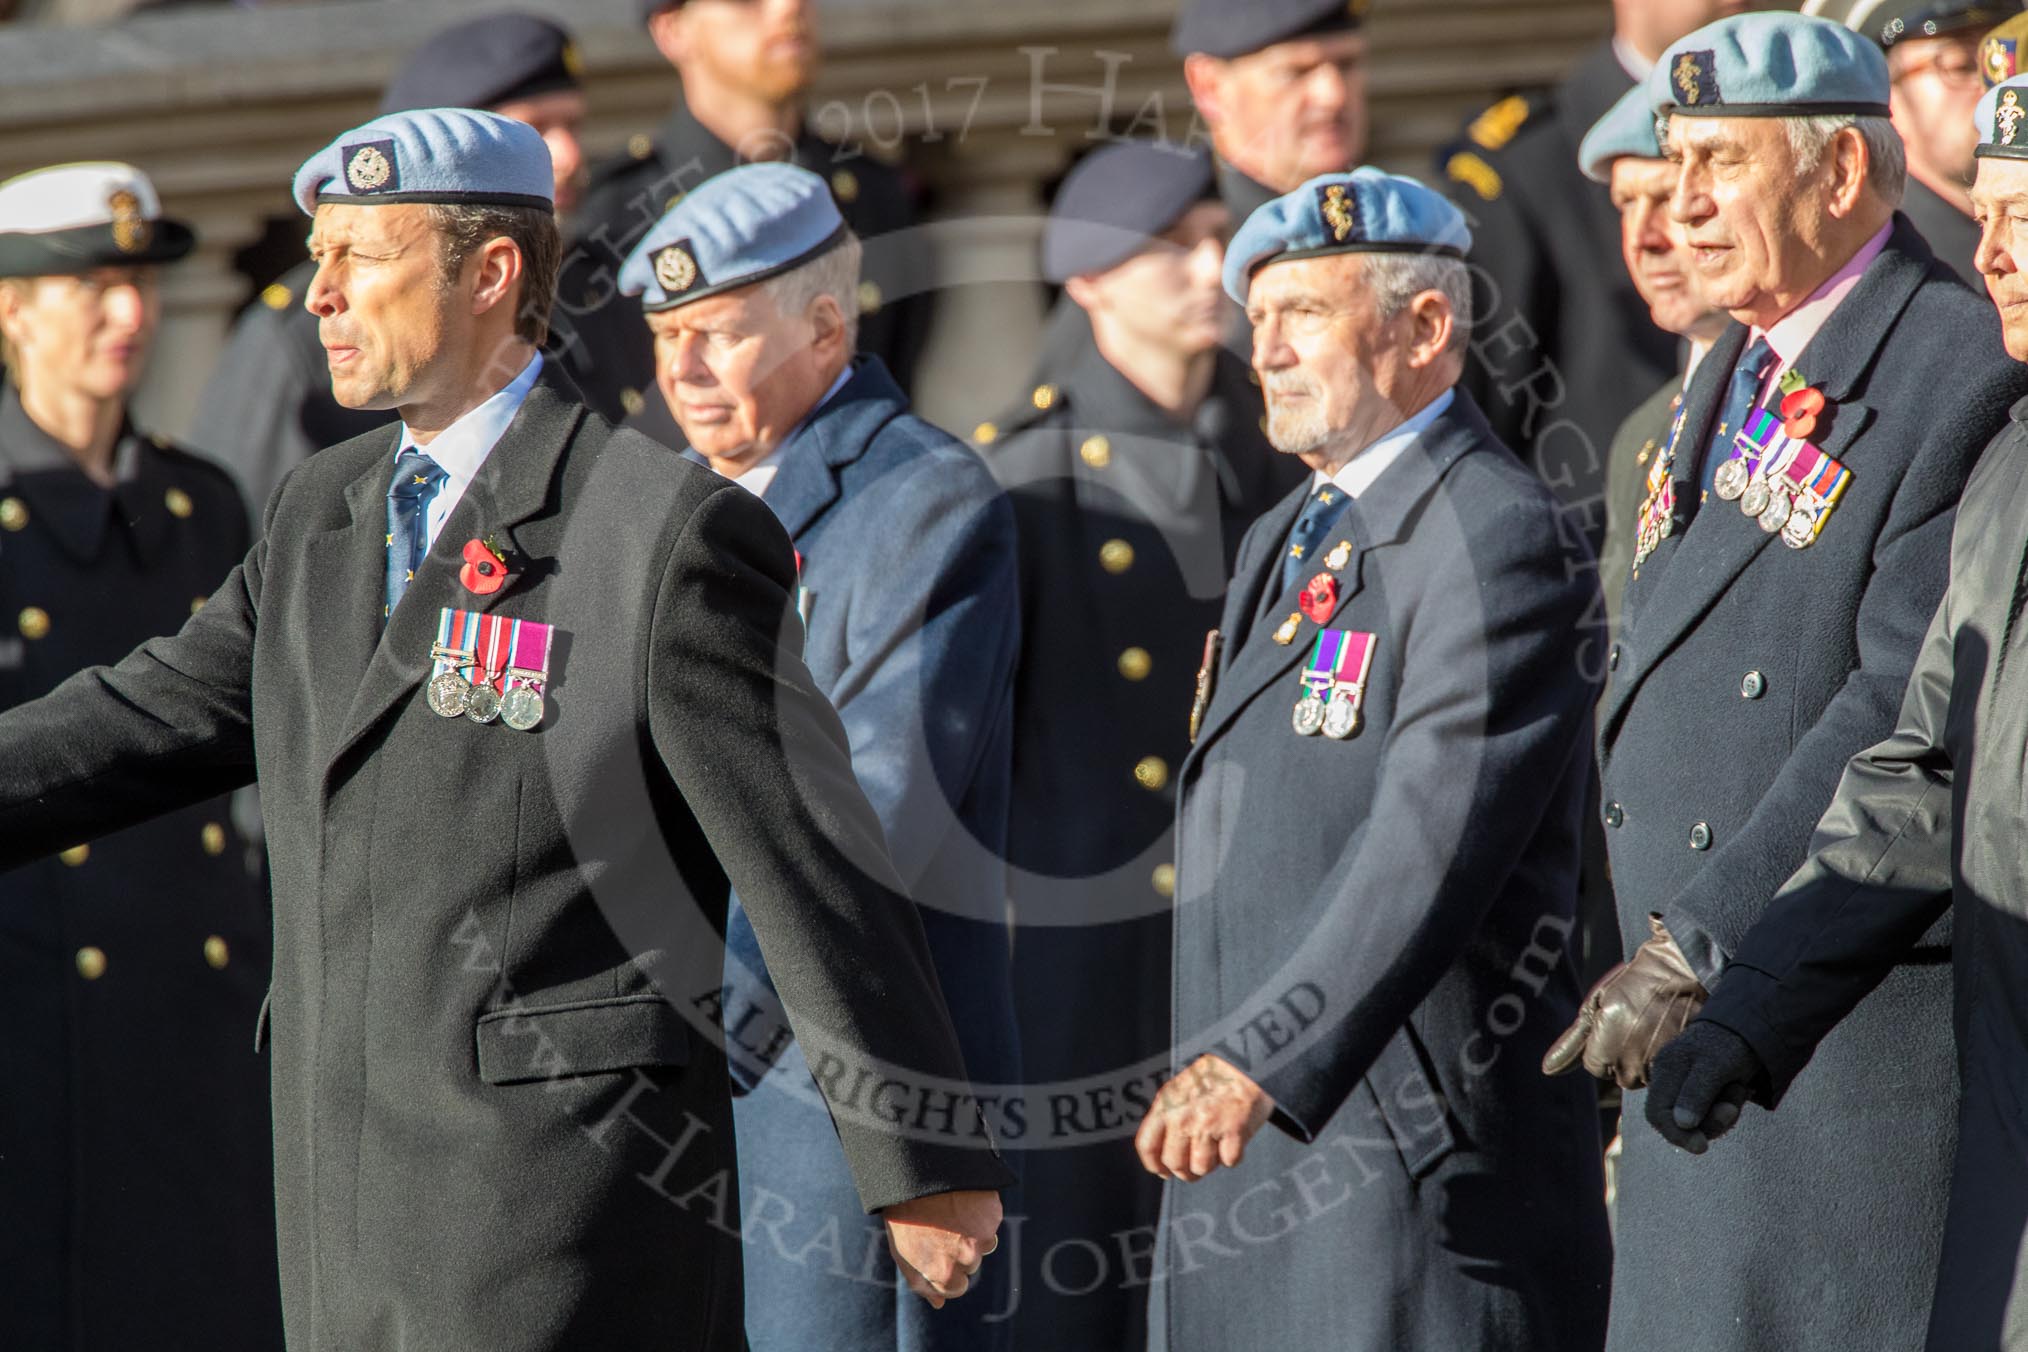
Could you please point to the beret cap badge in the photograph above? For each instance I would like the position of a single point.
(370, 167)
(1340, 210)
(2007, 116)
(1694, 78)
(132, 232)
(675, 269)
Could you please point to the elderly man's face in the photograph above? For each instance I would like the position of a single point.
(1652, 245)
(738, 374)
(1168, 296)
(385, 309)
(764, 49)
(1288, 112)
(2000, 205)
(1753, 216)
(1327, 361)
(1936, 91)
(86, 335)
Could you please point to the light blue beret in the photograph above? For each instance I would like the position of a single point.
(1771, 64)
(1627, 130)
(448, 155)
(734, 229)
(2002, 119)
(1365, 211)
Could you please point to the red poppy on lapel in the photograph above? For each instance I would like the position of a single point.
(1319, 598)
(485, 572)
(1800, 411)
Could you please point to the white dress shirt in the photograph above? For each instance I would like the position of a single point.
(1358, 473)
(463, 447)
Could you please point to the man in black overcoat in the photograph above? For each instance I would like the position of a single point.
(1378, 843)
(1757, 653)
(520, 691)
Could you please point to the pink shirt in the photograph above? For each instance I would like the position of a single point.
(1794, 330)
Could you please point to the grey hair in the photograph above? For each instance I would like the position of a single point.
(833, 273)
(1395, 279)
(1886, 156)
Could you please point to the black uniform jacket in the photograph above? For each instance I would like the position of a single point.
(491, 1128)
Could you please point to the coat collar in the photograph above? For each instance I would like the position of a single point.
(683, 140)
(1697, 564)
(1383, 515)
(78, 513)
(514, 485)
(835, 436)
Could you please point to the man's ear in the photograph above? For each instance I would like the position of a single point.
(496, 272)
(1850, 162)
(1083, 292)
(1202, 75)
(827, 322)
(670, 35)
(1431, 325)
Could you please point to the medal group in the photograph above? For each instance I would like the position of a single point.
(489, 668)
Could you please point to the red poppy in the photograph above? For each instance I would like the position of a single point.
(1318, 599)
(1800, 410)
(485, 572)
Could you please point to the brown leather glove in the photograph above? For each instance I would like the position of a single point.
(1633, 1012)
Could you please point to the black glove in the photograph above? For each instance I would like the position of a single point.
(1698, 1084)
(1633, 1011)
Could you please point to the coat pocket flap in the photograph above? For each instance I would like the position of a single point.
(1412, 1103)
(588, 1037)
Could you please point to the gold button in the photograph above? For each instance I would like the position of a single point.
(845, 186)
(277, 297)
(178, 502)
(985, 434)
(639, 146)
(1253, 375)
(34, 622)
(869, 298)
(212, 837)
(1263, 424)
(1165, 879)
(1135, 664)
(91, 963)
(76, 855)
(1116, 556)
(216, 953)
(197, 603)
(1044, 397)
(1096, 452)
(13, 514)
(672, 204)
(1152, 773)
(632, 402)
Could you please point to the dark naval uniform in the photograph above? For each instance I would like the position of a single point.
(268, 406)
(1925, 823)
(1746, 673)
(1373, 929)
(1953, 236)
(134, 1173)
(604, 340)
(1128, 525)
(1562, 344)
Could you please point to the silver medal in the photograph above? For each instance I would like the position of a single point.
(521, 708)
(1800, 530)
(1341, 720)
(447, 694)
(482, 703)
(1776, 514)
(1754, 499)
(1309, 716)
(1731, 480)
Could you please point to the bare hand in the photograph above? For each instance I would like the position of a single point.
(939, 1241)
(1202, 1119)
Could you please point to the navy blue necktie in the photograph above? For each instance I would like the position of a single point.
(1739, 397)
(416, 481)
(1319, 514)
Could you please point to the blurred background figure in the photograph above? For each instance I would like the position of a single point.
(1564, 348)
(1134, 470)
(134, 1159)
(268, 406)
(746, 68)
(1932, 51)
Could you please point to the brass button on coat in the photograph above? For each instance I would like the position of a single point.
(76, 855)
(1044, 397)
(1700, 836)
(1152, 774)
(13, 514)
(212, 837)
(1135, 664)
(985, 434)
(179, 504)
(91, 963)
(217, 953)
(1096, 452)
(34, 623)
(1116, 556)
(1165, 879)
(869, 298)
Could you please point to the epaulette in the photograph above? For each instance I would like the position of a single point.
(1471, 169)
(1495, 127)
(1040, 403)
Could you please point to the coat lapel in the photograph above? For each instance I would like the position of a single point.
(839, 434)
(512, 486)
(1385, 513)
(1708, 557)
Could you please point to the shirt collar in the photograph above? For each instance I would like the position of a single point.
(1358, 473)
(462, 448)
(1790, 334)
(756, 477)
